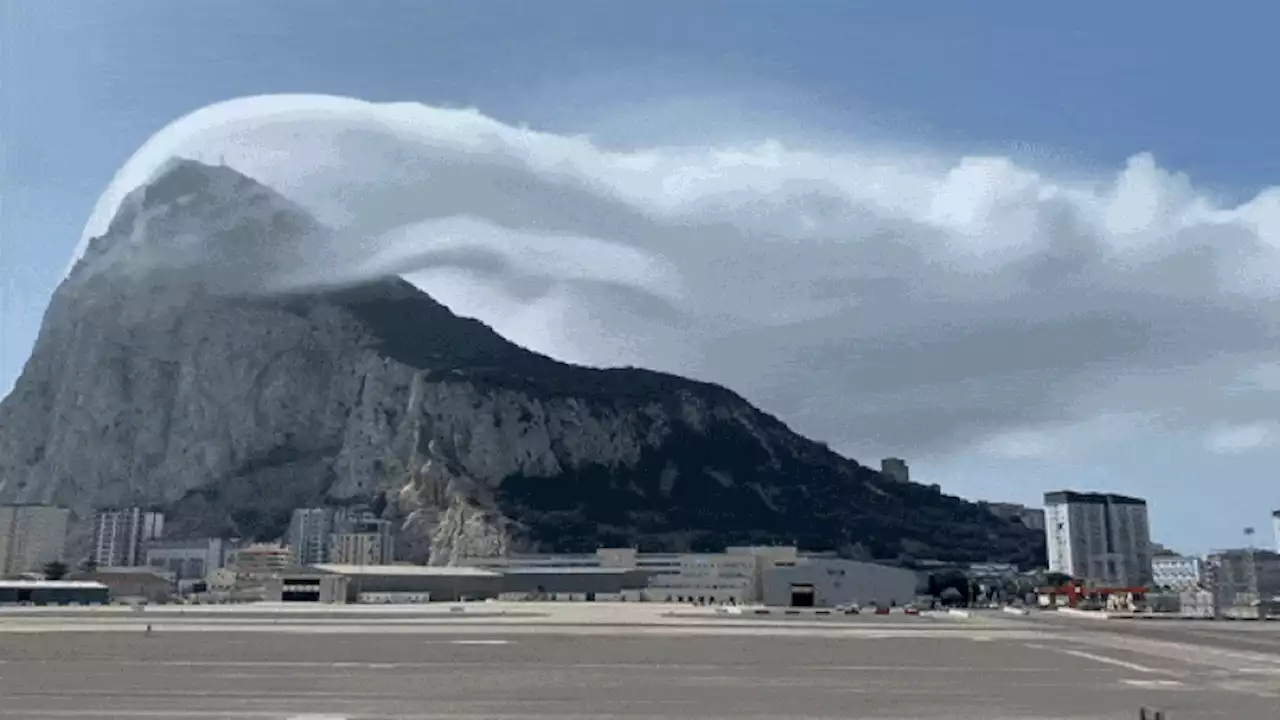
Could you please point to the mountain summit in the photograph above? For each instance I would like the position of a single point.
(166, 374)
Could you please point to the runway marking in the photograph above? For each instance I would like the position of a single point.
(1153, 683)
(476, 642)
(1111, 661)
(259, 665)
(1261, 671)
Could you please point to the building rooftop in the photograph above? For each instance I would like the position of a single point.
(51, 585)
(407, 570)
(566, 570)
(1073, 496)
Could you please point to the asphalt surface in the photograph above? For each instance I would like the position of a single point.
(987, 667)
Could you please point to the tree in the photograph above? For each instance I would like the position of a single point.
(1057, 579)
(55, 570)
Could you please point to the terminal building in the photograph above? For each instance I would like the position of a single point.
(777, 576)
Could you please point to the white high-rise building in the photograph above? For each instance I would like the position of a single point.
(31, 536)
(1275, 528)
(119, 535)
(309, 532)
(350, 536)
(1102, 539)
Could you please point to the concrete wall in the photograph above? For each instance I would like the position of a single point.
(444, 588)
(837, 581)
(526, 580)
(13, 595)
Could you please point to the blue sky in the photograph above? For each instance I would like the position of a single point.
(1080, 87)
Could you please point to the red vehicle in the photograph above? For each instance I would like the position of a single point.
(882, 609)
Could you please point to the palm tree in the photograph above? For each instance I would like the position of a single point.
(55, 570)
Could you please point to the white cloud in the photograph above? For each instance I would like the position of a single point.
(1066, 440)
(878, 300)
(1232, 439)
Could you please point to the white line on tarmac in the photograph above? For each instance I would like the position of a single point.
(1111, 661)
(425, 665)
(475, 642)
(1153, 683)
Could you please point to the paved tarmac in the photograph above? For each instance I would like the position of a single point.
(372, 665)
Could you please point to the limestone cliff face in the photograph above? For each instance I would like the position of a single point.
(164, 375)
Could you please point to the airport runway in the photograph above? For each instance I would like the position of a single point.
(863, 667)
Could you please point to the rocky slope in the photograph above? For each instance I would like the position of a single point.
(164, 376)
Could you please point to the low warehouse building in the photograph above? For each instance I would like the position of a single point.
(576, 582)
(827, 582)
(437, 583)
(52, 592)
(133, 583)
(422, 583)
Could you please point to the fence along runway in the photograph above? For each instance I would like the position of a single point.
(656, 667)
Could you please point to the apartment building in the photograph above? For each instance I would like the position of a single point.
(1178, 572)
(259, 560)
(119, 535)
(186, 559)
(31, 536)
(348, 536)
(1103, 539)
(309, 531)
(1244, 581)
(360, 548)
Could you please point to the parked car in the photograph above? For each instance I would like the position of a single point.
(910, 610)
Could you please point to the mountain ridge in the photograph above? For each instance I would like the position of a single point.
(168, 372)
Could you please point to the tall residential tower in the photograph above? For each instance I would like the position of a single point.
(119, 535)
(1101, 538)
(31, 536)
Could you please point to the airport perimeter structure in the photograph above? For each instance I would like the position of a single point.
(601, 660)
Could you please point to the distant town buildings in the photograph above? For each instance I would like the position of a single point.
(31, 536)
(119, 535)
(895, 468)
(1101, 539)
